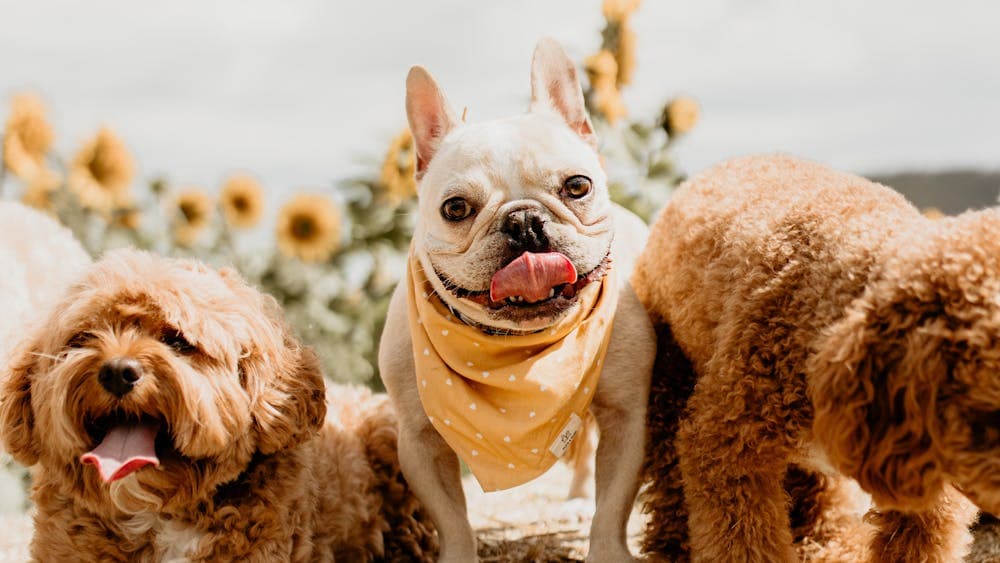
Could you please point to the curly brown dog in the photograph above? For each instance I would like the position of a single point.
(834, 328)
(173, 416)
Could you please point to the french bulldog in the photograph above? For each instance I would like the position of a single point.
(514, 222)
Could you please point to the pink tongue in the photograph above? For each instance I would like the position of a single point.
(532, 276)
(124, 450)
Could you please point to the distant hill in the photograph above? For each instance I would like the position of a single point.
(951, 192)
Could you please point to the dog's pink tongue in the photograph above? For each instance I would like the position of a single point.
(532, 276)
(124, 450)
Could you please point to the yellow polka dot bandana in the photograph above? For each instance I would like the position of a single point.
(508, 405)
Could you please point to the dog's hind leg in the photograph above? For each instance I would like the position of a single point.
(666, 533)
(733, 462)
(826, 515)
(938, 535)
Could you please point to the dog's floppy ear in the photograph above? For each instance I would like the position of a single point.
(874, 383)
(292, 404)
(17, 419)
(555, 88)
(282, 377)
(429, 115)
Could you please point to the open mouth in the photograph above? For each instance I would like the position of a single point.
(125, 443)
(558, 295)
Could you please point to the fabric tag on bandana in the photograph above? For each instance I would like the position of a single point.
(566, 436)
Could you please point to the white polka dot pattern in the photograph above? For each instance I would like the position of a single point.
(501, 401)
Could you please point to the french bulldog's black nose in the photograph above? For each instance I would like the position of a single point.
(526, 229)
(119, 375)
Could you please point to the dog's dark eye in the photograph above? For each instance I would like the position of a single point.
(176, 340)
(78, 340)
(576, 186)
(456, 209)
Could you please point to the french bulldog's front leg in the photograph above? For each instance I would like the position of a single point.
(432, 471)
(429, 465)
(620, 409)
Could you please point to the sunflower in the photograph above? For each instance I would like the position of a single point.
(601, 68)
(27, 136)
(192, 216)
(101, 173)
(242, 202)
(308, 228)
(602, 71)
(680, 116)
(399, 166)
(41, 188)
(128, 218)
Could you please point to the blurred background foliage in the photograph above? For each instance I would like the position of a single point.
(334, 254)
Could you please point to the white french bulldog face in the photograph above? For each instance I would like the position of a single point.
(514, 214)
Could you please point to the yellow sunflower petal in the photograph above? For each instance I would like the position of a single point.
(680, 116)
(101, 173)
(193, 214)
(41, 189)
(602, 69)
(399, 165)
(618, 10)
(308, 228)
(27, 136)
(625, 54)
(610, 104)
(242, 202)
(128, 219)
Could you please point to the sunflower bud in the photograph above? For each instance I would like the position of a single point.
(679, 116)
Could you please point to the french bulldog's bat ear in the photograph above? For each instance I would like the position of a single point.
(429, 115)
(555, 88)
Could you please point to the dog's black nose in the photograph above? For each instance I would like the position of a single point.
(119, 375)
(526, 229)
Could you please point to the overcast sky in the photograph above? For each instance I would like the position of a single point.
(300, 92)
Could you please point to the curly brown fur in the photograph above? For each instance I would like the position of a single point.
(666, 529)
(247, 468)
(822, 508)
(833, 327)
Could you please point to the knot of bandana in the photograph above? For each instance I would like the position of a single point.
(509, 406)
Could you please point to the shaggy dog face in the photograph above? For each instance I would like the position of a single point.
(182, 372)
(907, 386)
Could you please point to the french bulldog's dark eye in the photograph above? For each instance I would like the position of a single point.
(176, 340)
(456, 209)
(576, 186)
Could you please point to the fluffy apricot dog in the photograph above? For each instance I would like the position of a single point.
(834, 331)
(172, 415)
